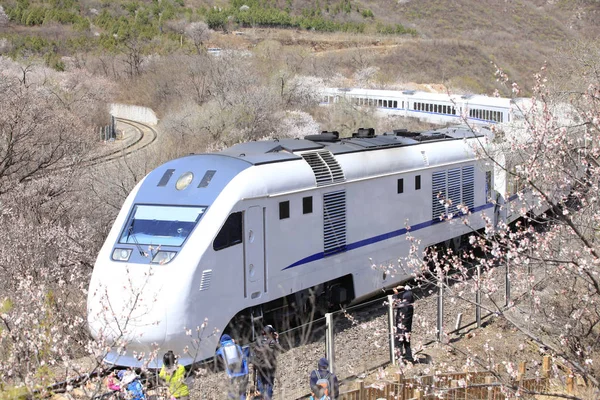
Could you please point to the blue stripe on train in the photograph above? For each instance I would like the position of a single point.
(385, 236)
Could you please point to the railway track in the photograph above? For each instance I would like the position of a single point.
(144, 137)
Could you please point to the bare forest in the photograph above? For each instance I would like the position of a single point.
(59, 193)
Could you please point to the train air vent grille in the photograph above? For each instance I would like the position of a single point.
(325, 167)
(454, 188)
(438, 194)
(334, 222)
(337, 175)
(468, 186)
(205, 279)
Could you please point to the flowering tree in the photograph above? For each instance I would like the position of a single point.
(549, 161)
(47, 243)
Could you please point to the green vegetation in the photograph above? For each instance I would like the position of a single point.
(394, 30)
(120, 21)
(13, 392)
(260, 13)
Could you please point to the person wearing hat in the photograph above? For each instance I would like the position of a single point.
(322, 373)
(404, 315)
(265, 361)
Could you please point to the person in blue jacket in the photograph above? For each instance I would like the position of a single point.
(235, 363)
(131, 382)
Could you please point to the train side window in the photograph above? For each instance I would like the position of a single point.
(231, 232)
(395, 103)
(284, 209)
(401, 185)
(307, 205)
(418, 182)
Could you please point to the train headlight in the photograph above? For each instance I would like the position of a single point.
(184, 180)
(163, 257)
(121, 254)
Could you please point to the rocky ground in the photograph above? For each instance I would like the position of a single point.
(362, 348)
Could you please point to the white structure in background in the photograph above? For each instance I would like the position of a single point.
(135, 113)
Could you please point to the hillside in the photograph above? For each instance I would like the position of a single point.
(454, 42)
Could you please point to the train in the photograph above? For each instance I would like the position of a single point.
(262, 229)
(436, 108)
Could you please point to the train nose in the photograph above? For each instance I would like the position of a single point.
(130, 318)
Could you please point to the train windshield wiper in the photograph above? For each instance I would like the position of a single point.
(137, 244)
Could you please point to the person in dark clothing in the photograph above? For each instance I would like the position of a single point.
(265, 361)
(322, 372)
(404, 315)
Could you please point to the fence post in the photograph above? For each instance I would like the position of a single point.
(546, 366)
(391, 328)
(418, 394)
(440, 309)
(454, 385)
(507, 284)
(522, 370)
(361, 390)
(329, 348)
(570, 382)
(400, 388)
(478, 298)
(488, 381)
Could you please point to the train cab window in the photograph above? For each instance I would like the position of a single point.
(418, 182)
(307, 206)
(401, 185)
(159, 225)
(231, 232)
(284, 209)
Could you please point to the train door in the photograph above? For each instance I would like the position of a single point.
(254, 253)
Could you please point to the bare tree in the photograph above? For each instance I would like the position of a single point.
(199, 33)
(133, 50)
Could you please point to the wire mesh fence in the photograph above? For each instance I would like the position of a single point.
(357, 340)
(350, 346)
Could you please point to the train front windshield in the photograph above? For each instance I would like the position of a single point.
(160, 225)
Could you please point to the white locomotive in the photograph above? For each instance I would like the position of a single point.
(231, 236)
(437, 108)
